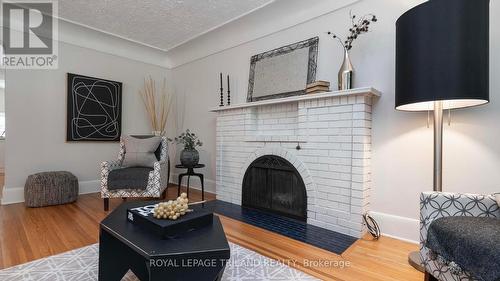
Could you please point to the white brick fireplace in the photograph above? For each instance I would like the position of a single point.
(333, 131)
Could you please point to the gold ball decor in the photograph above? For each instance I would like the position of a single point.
(172, 209)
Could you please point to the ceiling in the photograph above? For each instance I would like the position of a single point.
(162, 24)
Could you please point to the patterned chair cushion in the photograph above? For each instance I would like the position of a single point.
(129, 178)
(472, 243)
(140, 152)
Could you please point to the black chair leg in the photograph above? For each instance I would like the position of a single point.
(164, 194)
(106, 204)
(179, 185)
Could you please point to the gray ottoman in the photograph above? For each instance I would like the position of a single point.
(50, 188)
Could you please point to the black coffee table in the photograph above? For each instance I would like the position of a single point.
(200, 254)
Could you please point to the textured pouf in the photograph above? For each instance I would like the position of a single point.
(50, 188)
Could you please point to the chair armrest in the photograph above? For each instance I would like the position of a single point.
(110, 165)
(161, 170)
(434, 205)
(106, 167)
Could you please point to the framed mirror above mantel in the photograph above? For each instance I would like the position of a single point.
(283, 72)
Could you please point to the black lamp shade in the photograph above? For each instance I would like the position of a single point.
(442, 54)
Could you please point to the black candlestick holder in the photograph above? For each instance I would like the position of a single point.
(221, 97)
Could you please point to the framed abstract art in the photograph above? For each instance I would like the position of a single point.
(94, 109)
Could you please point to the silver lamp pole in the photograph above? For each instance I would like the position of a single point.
(438, 146)
(414, 257)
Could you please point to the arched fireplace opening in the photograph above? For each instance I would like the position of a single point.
(272, 184)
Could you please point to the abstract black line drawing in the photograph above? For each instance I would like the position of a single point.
(94, 109)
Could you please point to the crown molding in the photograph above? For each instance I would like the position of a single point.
(86, 37)
(278, 16)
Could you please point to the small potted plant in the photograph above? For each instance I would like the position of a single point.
(189, 155)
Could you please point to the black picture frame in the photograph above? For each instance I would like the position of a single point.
(94, 109)
(311, 43)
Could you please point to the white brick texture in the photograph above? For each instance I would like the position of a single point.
(334, 160)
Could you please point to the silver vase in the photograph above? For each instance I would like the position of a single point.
(346, 73)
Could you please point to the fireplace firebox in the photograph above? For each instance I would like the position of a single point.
(272, 184)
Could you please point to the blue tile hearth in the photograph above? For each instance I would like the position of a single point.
(322, 238)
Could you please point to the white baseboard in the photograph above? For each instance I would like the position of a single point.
(194, 183)
(16, 194)
(402, 228)
(89, 186)
(12, 195)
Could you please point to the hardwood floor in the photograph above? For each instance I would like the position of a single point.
(27, 234)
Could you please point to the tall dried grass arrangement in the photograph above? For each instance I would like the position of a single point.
(157, 105)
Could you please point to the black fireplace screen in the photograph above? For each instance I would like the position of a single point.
(272, 184)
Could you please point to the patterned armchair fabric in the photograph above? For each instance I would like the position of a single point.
(434, 205)
(157, 182)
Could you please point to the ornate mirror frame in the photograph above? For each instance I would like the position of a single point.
(311, 43)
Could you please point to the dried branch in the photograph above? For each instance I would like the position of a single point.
(157, 113)
(358, 28)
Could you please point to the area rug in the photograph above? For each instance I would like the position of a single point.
(82, 265)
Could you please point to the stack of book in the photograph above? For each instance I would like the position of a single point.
(318, 87)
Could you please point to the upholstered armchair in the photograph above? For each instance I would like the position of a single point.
(157, 177)
(435, 205)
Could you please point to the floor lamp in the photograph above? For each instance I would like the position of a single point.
(442, 62)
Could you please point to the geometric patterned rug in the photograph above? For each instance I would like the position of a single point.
(82, 265)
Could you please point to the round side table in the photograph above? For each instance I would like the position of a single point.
(190, 172)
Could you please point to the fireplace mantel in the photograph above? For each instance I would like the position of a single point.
(345, 93)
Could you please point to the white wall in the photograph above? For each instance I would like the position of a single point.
(2, 96)
(402, 145)
(2, 141)
(36, 116)
(2, 156)
(2, 109)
